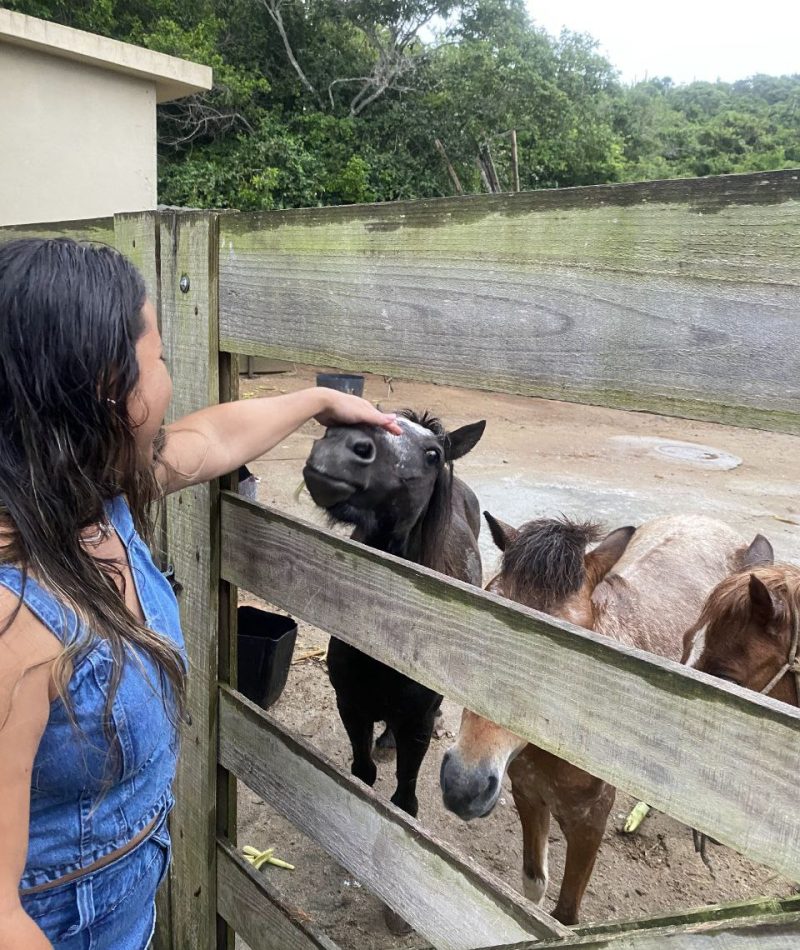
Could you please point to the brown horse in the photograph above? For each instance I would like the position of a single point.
(748, 632)
(661, 574)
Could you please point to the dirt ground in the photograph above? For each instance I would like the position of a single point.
(537, 458)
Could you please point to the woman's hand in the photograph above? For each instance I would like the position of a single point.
(346, 410)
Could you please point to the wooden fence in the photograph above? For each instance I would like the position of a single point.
(678, 297)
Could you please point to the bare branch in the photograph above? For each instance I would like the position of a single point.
(273, 8)
(336, 82)
(195, 118)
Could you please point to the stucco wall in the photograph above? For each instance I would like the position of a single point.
(76, 141)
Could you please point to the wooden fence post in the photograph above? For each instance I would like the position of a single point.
(137, 236)
(227, 652)
(189, 318)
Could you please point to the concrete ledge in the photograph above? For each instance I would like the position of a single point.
(173, 78)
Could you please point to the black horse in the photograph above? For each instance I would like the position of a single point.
(400, 494)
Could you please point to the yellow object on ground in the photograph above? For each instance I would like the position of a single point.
(259, 858)
(637, 815)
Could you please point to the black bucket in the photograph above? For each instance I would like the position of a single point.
(344, 382)
(266, 643)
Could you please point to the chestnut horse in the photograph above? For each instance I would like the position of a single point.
(748, 632)
(640, 587)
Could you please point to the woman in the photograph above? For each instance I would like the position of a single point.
(92, 661)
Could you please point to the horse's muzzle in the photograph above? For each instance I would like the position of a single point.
(469, 792)
(326, 491)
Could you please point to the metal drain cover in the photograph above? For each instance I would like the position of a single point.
(699, 456)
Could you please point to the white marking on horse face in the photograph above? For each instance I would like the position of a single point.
(698, 647)
(403, 444)
(414, 426)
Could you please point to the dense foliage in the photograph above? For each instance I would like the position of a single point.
(338, 101)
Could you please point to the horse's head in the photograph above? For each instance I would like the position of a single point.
(747, 632)
(374, 480)
(473, 767)
(545, 566)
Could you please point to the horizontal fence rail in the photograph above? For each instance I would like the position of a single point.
(453, 904)
(716, 757)
(708, 913)
(100, 230)
(678, 297)
(781, 932)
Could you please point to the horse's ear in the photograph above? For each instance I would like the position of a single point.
(763, 606)
(758, 554)
(460, 441)
(502, 534)
(600, 561)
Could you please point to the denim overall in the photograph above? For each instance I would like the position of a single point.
(88, 800)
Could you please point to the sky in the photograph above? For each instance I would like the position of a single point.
(684, 39)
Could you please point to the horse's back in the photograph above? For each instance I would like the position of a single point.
(656, 590)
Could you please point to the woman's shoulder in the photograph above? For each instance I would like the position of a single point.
(25, 645)
(25, 641)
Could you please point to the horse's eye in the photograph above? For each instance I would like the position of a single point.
(432, 456)
(722, 674)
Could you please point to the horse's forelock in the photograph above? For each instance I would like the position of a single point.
(729, 604)
(425, 419)
(544, 563)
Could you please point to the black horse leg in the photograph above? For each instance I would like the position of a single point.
(413, 738)
(386, 739)
(359, 731)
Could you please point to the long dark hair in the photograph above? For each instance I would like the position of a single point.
(70, 316)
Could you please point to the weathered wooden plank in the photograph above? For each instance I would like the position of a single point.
(679, 297)
(698, 749)
(137, 236)
(91, 229)
(256, 912)
(451, 903)
(758, 907)
(227, 799)
(771, 932)
(188, 244)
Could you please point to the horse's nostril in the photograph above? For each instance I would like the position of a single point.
(364, 450)
(491, 785)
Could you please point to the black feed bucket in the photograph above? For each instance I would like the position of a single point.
(266, 643)
(344, 382)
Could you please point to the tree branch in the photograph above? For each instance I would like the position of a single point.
(273, 8)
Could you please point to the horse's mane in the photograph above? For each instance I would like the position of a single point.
(730, 603)
(544, 562)
(432, 530)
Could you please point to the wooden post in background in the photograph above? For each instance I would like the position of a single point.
(514, 159)
(449, 166)
(189, 316)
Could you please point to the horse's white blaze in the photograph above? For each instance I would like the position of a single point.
(402, 445)
(415, 426)
(698, 646)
